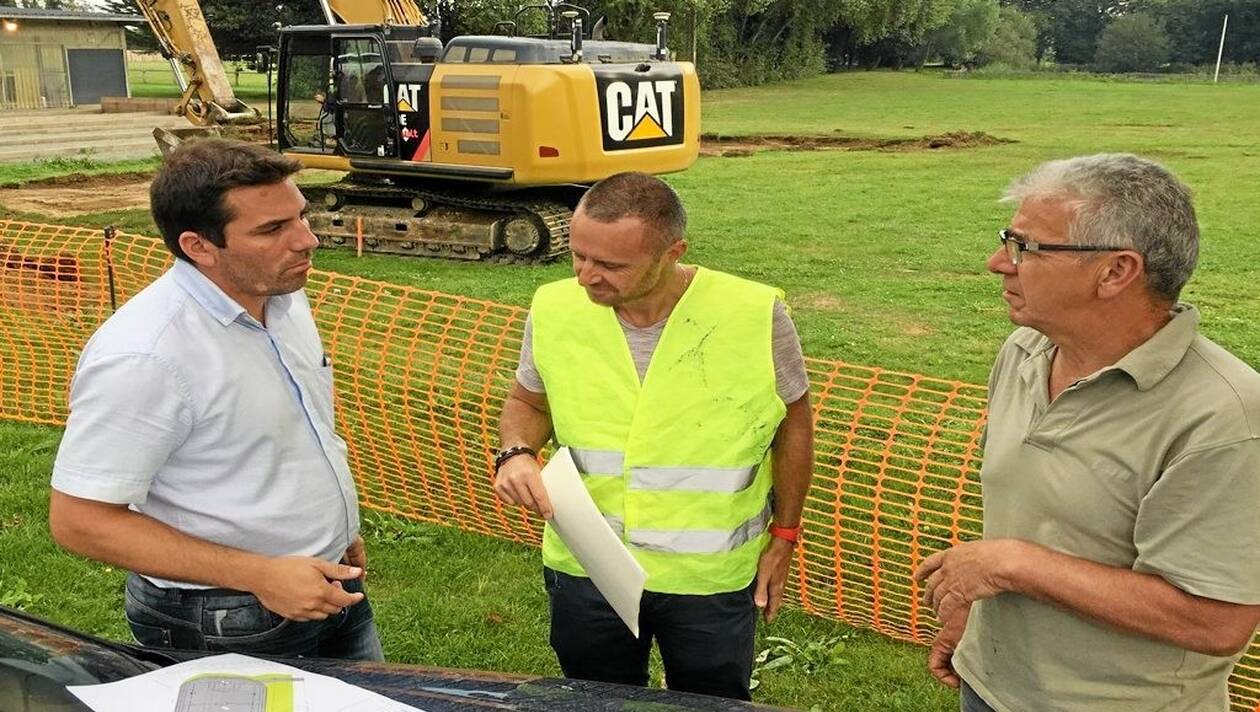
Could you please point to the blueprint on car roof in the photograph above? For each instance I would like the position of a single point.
(233, 683)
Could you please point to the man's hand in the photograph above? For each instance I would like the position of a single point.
(303, 588)
(772, 571)
(941, 656)
(520, 482)
(356, 556)
(957, 577)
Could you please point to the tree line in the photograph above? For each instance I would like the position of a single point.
(744, 42)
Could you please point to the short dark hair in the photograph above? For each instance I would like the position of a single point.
(642, 196)
(187, 192)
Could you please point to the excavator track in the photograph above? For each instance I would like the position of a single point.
(427, 221)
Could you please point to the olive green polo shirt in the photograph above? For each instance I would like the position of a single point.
(1151, 464)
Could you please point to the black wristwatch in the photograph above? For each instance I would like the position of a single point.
(511, 452)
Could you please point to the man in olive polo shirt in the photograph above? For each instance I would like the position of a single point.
(1120, 564)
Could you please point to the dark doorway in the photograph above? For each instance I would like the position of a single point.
(95, 73)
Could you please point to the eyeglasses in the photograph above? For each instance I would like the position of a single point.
(1016, 247)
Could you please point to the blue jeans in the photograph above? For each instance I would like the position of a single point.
(221, 620)
(971, 702)
(706, 642)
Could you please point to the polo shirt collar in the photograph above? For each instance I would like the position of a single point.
(214, 300)
(1149, 363)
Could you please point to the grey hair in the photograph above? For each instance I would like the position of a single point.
(1125, 202)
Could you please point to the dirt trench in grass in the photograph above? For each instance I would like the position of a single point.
(737, 146)
(78, 194)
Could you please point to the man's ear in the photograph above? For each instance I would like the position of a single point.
(676, 250)
(1118, 272)
(201, 251)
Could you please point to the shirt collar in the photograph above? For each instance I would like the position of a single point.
(1147, 364)
(214, 300)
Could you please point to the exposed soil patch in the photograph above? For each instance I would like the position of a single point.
(734, 146)
(79, 194)
(84, 180)
(253, 133)
(820, 301)
(916, 329)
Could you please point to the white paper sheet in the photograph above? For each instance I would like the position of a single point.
(593, 542)
(159, 691)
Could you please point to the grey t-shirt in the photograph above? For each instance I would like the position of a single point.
(791, 381)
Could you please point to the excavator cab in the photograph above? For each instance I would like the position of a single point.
(335, 88)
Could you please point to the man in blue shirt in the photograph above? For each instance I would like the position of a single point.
(200, 452)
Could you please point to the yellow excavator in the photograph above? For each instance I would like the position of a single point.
(476, 149)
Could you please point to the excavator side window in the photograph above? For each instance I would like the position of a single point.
(362, 92)
(310, 103)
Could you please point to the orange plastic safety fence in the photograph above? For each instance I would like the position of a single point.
(420, 378)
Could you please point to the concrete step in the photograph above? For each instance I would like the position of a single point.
(84, 109)
(86, 121)
(83, 131)
(92, 136)
(96, 137)
(114, 150)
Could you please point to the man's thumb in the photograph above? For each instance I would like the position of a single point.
(339, 572)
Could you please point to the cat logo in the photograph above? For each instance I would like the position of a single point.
(411, 97)
(640, 109)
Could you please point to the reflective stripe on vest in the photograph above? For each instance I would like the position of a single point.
(598, 463)
(609, 463)
(700, 541)
(695, 479)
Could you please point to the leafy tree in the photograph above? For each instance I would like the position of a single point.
(461, 17)
(1074, 27)
(890, 33)
(1070, 28)
(1194, 29)
(1132, 43)
(139, 37)
(736, 42)
(969, 27)
(237, 28)
(240, 27)
(1014, 41)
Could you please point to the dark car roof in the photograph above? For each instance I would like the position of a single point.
(37, 652)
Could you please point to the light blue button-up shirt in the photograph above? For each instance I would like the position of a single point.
(192, 412)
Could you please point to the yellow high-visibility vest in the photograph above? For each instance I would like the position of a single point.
(680, 464)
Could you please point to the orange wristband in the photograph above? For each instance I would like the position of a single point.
(792, 534)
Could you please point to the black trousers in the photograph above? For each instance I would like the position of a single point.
(706, 642)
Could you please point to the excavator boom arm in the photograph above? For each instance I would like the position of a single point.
(184, 39)
(374, 12)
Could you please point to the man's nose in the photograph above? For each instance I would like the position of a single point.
(586, 273)
(308, 241)
(1000, 262)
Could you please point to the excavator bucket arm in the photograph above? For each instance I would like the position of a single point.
(184, 39)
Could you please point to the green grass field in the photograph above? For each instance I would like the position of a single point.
(153, 77)
(881, 254)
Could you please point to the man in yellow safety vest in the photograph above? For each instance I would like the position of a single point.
(682, 394)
